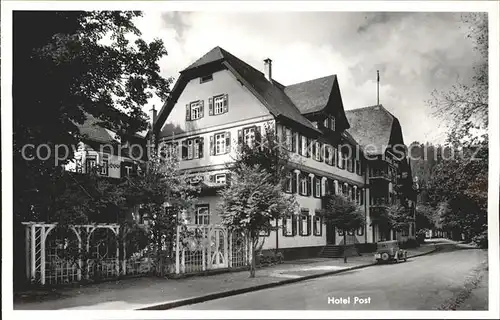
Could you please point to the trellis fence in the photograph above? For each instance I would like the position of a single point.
(98, 252)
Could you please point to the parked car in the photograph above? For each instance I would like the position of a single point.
(389, 251)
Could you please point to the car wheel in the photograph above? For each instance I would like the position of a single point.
(385, 256)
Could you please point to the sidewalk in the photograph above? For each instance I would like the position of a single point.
(130, 294)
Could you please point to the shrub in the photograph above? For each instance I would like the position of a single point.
(269, 258)
(481, 239)
(421, 236)
(409, 243)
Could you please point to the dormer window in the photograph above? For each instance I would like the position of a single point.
(206, 78)
(329, 123)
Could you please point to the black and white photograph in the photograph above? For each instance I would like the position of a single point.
(250, 159)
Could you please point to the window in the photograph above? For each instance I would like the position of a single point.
(202, 214)
(219, 105)
(192, 148)
(303, 185)
(288, 186)
(326, 123)
(318, 187)
(332, 123)
(334, 156)
(194, 110)
(305, 223)
(206, 78)
(318, 228)
(317, 151)
(220, 143)
(104, 167)
(304, 145)
(289, 226)
(220, 178)
(249, 136)
(289, 140)
(358, 167)
(90, 163)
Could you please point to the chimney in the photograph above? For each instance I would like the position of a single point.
(155, 114)
(268, 69)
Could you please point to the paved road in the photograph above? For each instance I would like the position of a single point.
(422, 283)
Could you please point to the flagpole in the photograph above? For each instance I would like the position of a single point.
(378, 83)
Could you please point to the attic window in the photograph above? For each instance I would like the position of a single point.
(206, 78)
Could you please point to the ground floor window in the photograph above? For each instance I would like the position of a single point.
(317, 230)
(289, 226)
(305, 223)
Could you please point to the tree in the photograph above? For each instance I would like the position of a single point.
(342, 213)
(251, 202)
(462, 182)
(399, 217)
(82, 62)
(162, 193)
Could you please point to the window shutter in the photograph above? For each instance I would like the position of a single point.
(188, 112)
(201, 145)
(123, 172)
(301, 191)
(308, 148)
(226, 102)
(294, 141)
(308, 224)
(294, 225)
(258, 136)
(210, 106)
(308, 179)
(322, 152)
(314, 186)
(240, 137)
(294, 182)
(314, 147)
(300, 143)
(228, 141)
(301, 225)
(211, 178)
(284, 226)
(327, 186)
(320, 186)
(202, 104)
(184, 149)
(283, 135)
(212, 145)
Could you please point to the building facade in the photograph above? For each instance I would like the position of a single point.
(220, 101)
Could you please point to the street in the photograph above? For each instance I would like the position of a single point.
(423, 283)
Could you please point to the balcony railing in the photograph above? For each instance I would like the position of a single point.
(379, 202)
(379, 174)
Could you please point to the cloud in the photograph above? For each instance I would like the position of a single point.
(416, 53)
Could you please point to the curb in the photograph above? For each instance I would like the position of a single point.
(228, 293)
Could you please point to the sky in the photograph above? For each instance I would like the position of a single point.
(416, 53)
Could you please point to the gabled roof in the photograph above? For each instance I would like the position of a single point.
(270, 94)
(374, 126)
(91, 130)
(311, 96)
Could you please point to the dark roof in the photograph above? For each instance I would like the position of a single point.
(311, 96)
(270, 94)
(216, 54)
(91, 130)
(371, 126)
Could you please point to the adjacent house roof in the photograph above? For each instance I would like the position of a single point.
(374, 126)
(91, 130)
(271, 94)
(313, 95)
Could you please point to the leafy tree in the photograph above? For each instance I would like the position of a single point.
(342, 213)
(162, 193)
(425, 217)
(81, 62)
(251, 202)
(462, 182)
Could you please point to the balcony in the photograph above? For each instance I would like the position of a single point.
(379, 175)
(381, 202)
